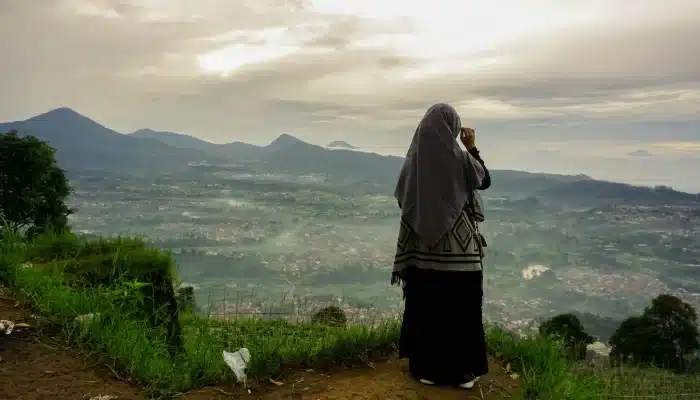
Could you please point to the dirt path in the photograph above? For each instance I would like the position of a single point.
(390, 380)
(38, 366)
(34, 366)
(386, 381)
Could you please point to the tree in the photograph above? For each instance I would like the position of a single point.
(331, 316)
(568, 329)
(666, 334)
(33, 189)
(185, 299)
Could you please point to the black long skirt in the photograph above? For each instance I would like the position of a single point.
(443, 333)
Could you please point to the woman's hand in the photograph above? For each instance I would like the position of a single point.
(468, 137)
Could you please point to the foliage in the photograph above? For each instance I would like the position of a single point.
(331, 316)
(33, 189)
(568, 329)
(666, 334)
(125, 265)
(544, 371)
(185, 299)
(98, 309)
(138, 350)
(50, 247)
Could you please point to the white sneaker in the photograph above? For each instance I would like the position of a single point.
(470, 384)
(426, 382)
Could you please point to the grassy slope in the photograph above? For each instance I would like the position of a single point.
(137, 349)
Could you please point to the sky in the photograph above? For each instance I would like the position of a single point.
(610, 88)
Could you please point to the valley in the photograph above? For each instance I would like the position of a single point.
(284, 228)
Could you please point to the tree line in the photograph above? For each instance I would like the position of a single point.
(665, 335)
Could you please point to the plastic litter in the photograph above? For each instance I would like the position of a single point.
(86, 319)
(238, 362)
(6, 326)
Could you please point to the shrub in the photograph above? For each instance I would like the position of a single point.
(185, 299)
(124, 266)
(568, 329)
(330, 316)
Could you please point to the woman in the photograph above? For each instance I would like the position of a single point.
(439, 252)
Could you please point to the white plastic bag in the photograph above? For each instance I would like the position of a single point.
(238, 361)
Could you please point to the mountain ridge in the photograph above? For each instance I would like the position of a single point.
(84, 144)
(341, 144)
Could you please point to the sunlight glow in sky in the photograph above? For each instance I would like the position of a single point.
(233, 57)
(441, 32)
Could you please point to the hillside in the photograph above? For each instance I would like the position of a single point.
(613, 191)
(129, 357)
(178, 140)
(40, 364)
(341, 144)
(135, 350)
(84, 144)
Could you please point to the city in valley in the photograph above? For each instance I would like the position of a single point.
(286, 228)
(287, 244)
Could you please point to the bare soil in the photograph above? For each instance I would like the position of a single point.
(35, 365)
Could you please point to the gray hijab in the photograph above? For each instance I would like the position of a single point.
(438, 177)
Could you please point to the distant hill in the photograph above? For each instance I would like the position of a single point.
(307, 158)
(286, 141)
(340, 144)
(613, 192)
(83, 144)
(178, 140)
(234, 150)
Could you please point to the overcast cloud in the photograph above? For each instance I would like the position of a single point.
(530, 75)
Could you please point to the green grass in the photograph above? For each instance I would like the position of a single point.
(646, 383)
(544, 372)
(135, 347)
(139, 350)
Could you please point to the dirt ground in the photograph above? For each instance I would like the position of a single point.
(39, 366)
(34, 366)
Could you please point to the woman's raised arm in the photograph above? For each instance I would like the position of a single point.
(476, 170)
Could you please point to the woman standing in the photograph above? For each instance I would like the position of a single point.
(439, 252)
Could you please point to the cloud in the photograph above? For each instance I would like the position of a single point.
(687, 147)
(640, 153)
(359, 70)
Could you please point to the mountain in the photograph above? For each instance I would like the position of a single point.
(178, 140)
(342, 145)
(83, 144)
(285, 141)
(291, 154)
(613, 192)
(528, 183)
(238, 151)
